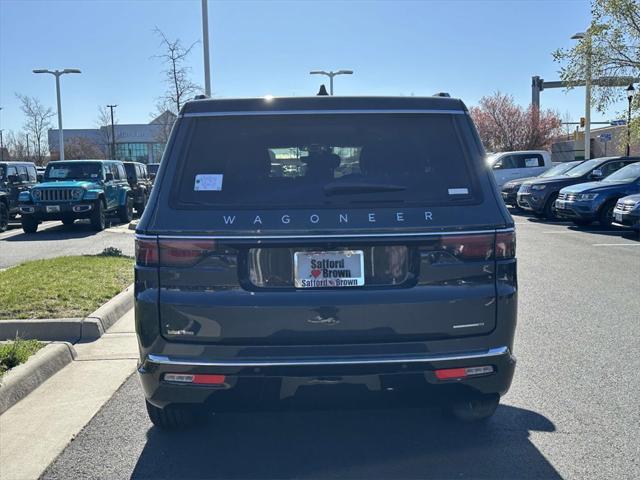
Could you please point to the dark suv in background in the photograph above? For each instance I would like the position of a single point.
(140, 183)
(587, 202)
(539, 196)
(510, 189)
(328, 246)
(15, 177)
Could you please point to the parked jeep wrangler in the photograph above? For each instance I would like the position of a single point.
(337, 247)
(140, 184)
(77, 189)
(15, 177)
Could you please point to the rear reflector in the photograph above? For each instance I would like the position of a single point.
(451, 373)
(198, 379)
(469, 247)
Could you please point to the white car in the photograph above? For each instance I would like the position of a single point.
(508, 166)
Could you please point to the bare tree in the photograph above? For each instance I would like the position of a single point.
(179, 86)
(16, 144)
(38, 121)
(164, 121)
(103, 122)
(79, 148)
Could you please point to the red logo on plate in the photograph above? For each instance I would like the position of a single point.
(315, 272)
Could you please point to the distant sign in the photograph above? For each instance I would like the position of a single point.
(605, 137)
(618, 122)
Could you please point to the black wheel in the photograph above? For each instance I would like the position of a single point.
(475, 408)
(4, 217)
(582, 223)
(140, 206)
(126, 211)
(175, 417)
(549, 211)
(97, 217)
(67, 222)
(29, 224)
(605, 215)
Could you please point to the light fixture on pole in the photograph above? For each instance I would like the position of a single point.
(331, 75)
(57, 74)
(113, 133)
(584, 36)
(630, 92)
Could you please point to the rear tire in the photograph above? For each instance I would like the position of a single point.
(98, 217)
(175, 417)
(125, 213)
(605, 215)
(4, 217)
(475, 408)
(549, 211)
(29, 225)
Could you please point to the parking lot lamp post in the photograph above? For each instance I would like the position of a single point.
(586, 37)
(57, 74)
(331, 74)
(630, 92)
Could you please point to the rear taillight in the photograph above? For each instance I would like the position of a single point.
(505, 245)
(468, 247)
(183, 253)
(147, 252)
(172, 253)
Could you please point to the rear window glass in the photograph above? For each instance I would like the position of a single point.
(323, 160)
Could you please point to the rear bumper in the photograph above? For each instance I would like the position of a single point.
(266, 382)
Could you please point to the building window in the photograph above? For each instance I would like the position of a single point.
(158, 149)
(132, 152)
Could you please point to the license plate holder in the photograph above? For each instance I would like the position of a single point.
(330, 269)
(618, 217)
(53, 208)
(560, 204)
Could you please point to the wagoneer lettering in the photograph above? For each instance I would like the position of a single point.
(334, 250)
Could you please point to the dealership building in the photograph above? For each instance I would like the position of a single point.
(134, 142)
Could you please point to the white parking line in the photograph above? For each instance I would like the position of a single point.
(616, 244)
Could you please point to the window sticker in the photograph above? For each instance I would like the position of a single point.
(58, 172)
(458, 191)
(531, 162)
(208, 182)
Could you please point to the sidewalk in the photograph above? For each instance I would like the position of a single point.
(34, 431)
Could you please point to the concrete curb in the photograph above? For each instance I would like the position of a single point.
(70, 330)
(20, 381)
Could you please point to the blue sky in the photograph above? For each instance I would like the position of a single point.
(468, 48)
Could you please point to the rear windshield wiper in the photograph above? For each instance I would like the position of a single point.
(347, 188)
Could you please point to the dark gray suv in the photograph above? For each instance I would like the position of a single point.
(330, 247)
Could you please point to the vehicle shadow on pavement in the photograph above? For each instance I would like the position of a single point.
(389, 443)
(58, 232)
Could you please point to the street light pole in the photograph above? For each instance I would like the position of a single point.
(331, 74)
(57, 74)
(630, 92)
(205, 44)
(587, 86)
(113, 133)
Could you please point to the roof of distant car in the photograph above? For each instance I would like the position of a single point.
(321, 103)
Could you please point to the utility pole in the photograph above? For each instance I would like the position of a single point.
(113, 133)
(205, 45)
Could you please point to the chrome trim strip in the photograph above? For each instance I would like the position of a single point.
(493, 352)
(315, 112)
(320, 236)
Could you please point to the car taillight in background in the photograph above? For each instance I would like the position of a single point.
(172, 252)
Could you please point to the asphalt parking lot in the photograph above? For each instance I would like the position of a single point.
(53, 239)
(573, 410)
